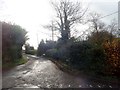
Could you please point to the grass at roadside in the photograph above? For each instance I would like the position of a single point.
(21, 61)
(10, 65)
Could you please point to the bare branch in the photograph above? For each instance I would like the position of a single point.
(68, 14)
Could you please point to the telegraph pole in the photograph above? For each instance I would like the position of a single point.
(51, 27)
(52, 32)
(37, 38)
(119, 18)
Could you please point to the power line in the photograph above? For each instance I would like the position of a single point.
(108, 15)
(99, 18)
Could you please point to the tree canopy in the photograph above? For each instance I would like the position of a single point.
(67, 15)
(13, 38)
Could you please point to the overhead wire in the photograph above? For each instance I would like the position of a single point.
(108, 15)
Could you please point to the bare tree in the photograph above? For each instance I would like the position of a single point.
(95, 23)
(68, 14)
(97, 28)
(54, 29)
(113, 28)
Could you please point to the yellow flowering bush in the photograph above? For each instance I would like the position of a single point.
(112, 51)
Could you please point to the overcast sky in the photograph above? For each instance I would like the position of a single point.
(33, 14)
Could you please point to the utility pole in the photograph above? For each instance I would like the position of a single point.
(51, 27)
(37, 38)
(119, 17)
(52, 32)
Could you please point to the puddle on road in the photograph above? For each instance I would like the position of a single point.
(24, 72)
(26, 86)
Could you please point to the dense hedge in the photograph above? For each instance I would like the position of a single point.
(13, 38)
(112, 50)
(89, 55)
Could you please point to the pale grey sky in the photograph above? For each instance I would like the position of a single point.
(32, 14)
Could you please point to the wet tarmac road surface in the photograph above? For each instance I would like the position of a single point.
(43, 73)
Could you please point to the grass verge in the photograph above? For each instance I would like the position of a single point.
(21, 61)
(10, 65)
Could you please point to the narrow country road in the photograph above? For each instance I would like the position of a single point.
(42, 73)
